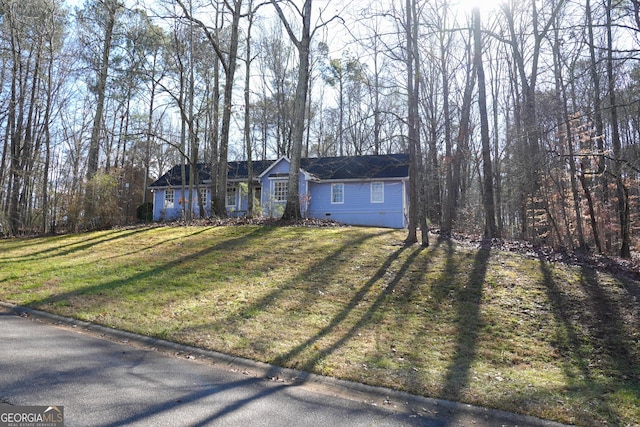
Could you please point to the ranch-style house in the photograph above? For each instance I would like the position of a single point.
(371, 190)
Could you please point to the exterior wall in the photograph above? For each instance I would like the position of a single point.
(170, 213)
(357, 207)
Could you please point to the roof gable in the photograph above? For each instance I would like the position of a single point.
(274, 165)
(240, 170)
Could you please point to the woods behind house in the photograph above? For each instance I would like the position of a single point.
(522, 120)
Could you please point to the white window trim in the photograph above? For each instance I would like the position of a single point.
(235, 196)
(381, 193)
(333, 186)
(204, 193)
(273, 190)
(172, 203)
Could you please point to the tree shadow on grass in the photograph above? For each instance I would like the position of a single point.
(468, 300)
(323, 279)
(61, 240)
(311, 291)
(610, 328)
(149, 273)
(199, 394)
(138, 284)
(444, 286)
(84, 245)
(592, 340)
(353, 317)
(363, 320)
(78, 245)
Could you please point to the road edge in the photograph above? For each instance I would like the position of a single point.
(395, 400)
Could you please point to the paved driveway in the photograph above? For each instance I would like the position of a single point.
(105, 378)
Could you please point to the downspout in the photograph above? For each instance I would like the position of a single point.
(306, 197)
(405, 210)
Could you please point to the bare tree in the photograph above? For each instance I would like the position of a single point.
(490, 230)
(228, 59)
(303, 46)
(30, 30)
(528, 81)
(622, 191)
(565, 121)
(416, 204)
(102, 15)
(247, 109)
(274, 109)
(106, 15)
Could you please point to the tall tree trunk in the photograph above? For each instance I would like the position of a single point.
(462, 140)
(568, 121)
(147, 149)
(377, 122)
(230, 72)
(595, 79)
(47, 165)
(5, 144)
(449, 192)
(47, 138)
(193, 140)
(491, 230)
(621, 190)
(497, 173)
(15, 126)
(215, 135)
(412, 131)
(303, 44)
(183, 146)
(421, 185)
(247, 114)
(597, 118)
(112, 8)
(228, 59)
(14, 136)
(101, 86)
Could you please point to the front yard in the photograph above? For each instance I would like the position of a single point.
(453, 321)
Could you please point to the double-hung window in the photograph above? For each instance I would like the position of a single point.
(337, 194)
(169, 199)
(232, 191)
(280, 190)
(377, 192)
(203, 196)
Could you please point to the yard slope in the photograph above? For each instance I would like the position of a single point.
(455, 321)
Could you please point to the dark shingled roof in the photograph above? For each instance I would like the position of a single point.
(324, 168)
(358, 167)
(237, 170)
(173, 178)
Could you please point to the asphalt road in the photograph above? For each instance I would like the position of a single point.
(107, 378)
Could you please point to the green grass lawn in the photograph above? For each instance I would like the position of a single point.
(451, 321)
